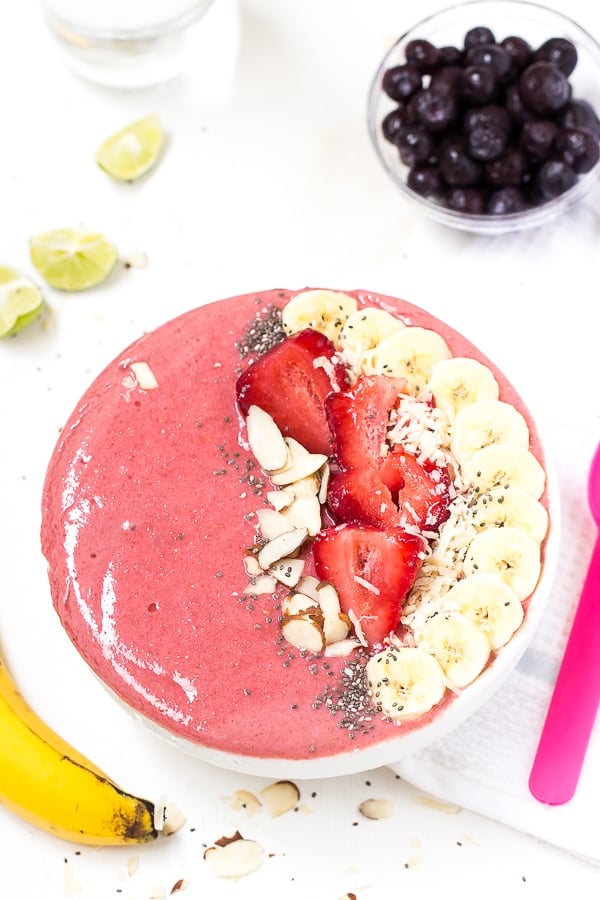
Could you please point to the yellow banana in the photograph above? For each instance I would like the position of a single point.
(47, 782)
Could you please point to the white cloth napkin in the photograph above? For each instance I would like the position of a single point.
(484, 764)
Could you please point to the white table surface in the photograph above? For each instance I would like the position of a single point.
(268, 180)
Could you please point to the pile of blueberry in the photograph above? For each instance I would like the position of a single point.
(491, 127)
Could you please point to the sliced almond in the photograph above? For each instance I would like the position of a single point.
(146, 380)
(280, 797)
(296, 603)
(324, 473)
(266, 440)
(336, 628)
(376, 809)
(306, 487)
(282, 546)
(262, 584)
(174, 819)
(329, 600)
(251, 565)
(342, 648)
(304, 632)
(308, 585)
(300, 464)
(272, 523)
(280, 499)
(287, 571)
(305, 512)
(236, 859)
(246, 800)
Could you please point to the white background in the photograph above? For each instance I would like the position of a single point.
(268, 180)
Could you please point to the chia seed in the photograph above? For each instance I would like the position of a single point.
(263, 333)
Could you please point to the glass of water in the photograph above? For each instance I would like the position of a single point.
(125, 43)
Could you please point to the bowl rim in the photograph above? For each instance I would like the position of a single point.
(481, 222)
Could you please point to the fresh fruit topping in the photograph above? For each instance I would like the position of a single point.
(21, 302)
(485, 423)
(410, 353)
(359, 496)
(405, 682)
(359, 420)
(72, 260)
(461, 648)
(459, 381)
(133, 150)
(490, 604)
(420, 491)
(324, 311)
(363, 330)
(290, 382)
(503, 464)
(372, 570)
(509, 553)
(512, 507)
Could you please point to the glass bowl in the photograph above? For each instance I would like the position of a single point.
(534, 23)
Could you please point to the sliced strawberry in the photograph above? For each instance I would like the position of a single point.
(287, 384)
(372, 570)
(359, 496)
(421, 492)
(359, 419)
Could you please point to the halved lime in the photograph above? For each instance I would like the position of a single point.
(133, 150)
(21, 301)
(72, 260)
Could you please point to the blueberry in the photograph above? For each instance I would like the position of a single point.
(400, 82)
(425, 180)
(468, 200)
(537, 139)
(559, 51)
(415, 144)
(422, 54)
(393, 122)
(457, 167)
(506, 200)
(491, 55)
(478, 84)
(481, 34)
(578, 148)
(450, 56)
(544, 88)
(515, 106)
(579, 114)
(434, 109)
(553, 179)
(510, 170)
(445, 79)
(518, 49)
(486, 142)
(492, 114)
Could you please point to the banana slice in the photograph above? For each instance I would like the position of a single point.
(484, 423)
(363, 330)
(405, 682)
(324, 311)
(461, 648)
(490, 604)
(512, 507)
(459, 381)
(501, 464)
(509, 553)
(410, 353)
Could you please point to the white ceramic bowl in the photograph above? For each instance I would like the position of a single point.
(534, 23)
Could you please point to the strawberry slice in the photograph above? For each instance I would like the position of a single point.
(359, 496)
(359, 419)
(372, 570)
(421, 492)
(287, 384)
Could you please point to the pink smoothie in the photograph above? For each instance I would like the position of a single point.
(148, 506)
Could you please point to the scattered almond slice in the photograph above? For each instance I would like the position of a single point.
(246, 800)
(329, 600)
(297, 603)
(305, 512)
(266, 440)
(236, 858)
(375, 809)
(146, 380)
(341, 648)
(280, 797)
(251, 565)
(174, 819)
(272, 523)
(308, 585)
(304, 632)
(299, 465)
(336, 628)
(280, 499)
(287, 571)
(281, 547)
(180, 885)
(262, 584)
(306, 487)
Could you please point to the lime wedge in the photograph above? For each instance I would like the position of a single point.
(133, 150)
(21, 301)
(72, 260)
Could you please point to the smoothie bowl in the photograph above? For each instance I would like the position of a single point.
(300, 533)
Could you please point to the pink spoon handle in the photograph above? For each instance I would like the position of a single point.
(574, 703)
